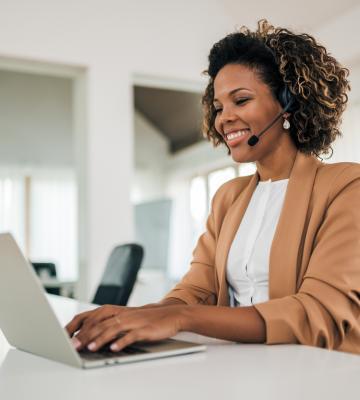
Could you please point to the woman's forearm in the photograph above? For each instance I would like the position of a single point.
(241, 324)
(171, 301)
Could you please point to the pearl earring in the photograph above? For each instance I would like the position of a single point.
(286, 124)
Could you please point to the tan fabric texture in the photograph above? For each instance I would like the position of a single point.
(314, 266)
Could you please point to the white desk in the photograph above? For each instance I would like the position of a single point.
(225, 371)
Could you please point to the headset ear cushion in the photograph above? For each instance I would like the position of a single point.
(286, 99)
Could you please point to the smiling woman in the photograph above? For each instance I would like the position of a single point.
(279, 261)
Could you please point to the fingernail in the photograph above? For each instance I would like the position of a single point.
(114, 347)
(76, 342)
(92, 346)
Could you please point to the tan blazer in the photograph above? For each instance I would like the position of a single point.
(314, 267)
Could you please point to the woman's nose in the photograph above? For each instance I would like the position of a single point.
(228, 115)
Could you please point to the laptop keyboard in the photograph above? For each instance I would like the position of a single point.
(105, 352)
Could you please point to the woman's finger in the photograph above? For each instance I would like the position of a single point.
(129, 338)
(87, 335)
(149, 332)
(107, 335)
(107, 311)
(75, 324)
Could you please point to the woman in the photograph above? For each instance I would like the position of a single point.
(280, 259)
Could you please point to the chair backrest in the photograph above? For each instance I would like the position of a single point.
(45, 269)
(120, 275)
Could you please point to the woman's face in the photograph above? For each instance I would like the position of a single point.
(245, 106)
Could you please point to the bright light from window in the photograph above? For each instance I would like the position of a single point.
(12, 208)
(198, 199)
(217, 178)
(53, 224)
(247, 169)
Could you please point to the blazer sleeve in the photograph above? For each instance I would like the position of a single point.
(325, 312)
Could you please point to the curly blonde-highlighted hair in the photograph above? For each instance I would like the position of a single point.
(317, 82)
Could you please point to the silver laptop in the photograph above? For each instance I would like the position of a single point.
(29, 323)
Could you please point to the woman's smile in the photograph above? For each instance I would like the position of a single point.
(236, 137)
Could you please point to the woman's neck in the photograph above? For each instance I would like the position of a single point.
(277, 165)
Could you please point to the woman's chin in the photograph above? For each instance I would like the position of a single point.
(240, 156)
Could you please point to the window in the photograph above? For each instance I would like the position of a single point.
(198, 201)
(12, 208)
(53, 216)
(217, 178)
(203, 188)
(198, 198)
(41, 213)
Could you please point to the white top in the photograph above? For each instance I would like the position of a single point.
(248, 260)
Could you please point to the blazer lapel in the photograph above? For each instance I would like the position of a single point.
(230, 226)
(285, 249)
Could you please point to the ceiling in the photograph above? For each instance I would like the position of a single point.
(177, 114)
(308, 15)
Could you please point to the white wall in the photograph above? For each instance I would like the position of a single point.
(347, 148)
(151, 157)
(35, 120)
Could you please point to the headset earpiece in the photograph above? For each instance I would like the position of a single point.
(286, 99)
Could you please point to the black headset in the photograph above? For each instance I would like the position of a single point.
(286, 99)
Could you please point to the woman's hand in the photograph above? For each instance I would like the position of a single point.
(103, 325)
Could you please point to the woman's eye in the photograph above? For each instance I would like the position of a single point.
(241, 101)
(237, 102)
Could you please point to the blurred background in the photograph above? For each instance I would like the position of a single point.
(100, 116)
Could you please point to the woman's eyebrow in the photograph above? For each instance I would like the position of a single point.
(234, 91)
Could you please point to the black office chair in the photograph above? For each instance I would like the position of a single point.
(120, 275)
